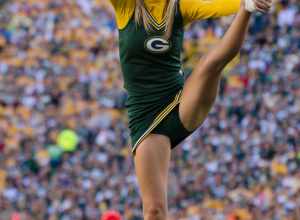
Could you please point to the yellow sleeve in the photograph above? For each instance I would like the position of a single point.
(124, 11)
(193, 10)
(114, 3)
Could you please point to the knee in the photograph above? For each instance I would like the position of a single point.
(212, 76)
(155, 210)
(209, 70)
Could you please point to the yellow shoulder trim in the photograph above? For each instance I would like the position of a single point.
(124, 11)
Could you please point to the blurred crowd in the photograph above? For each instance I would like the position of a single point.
(59, 71)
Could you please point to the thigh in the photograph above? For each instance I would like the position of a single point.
(152, 164)
(199, 93)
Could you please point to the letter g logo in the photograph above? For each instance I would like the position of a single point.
(157, 45)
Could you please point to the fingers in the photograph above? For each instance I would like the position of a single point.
(263, 5)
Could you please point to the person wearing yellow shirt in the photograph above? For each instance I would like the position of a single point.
(163, 109)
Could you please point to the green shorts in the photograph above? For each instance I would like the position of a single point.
(167, 123)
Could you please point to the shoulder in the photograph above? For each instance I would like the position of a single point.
(124, 11)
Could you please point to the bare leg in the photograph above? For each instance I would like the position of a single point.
(199, 94)
(152, 164)
(201, 88)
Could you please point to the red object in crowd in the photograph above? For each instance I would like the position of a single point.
(111, 215)
(2, 146)
(232, 217)
(15, 216)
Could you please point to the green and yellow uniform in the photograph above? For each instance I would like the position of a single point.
(151, 65)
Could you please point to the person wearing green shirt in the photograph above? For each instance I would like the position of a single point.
(163, 108)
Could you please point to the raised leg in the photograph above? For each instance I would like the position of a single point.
(201, 88)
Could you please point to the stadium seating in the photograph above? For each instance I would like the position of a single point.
(59, 69)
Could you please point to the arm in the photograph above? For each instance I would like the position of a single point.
(193, 10)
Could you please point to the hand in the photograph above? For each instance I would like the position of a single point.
(262, 6)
